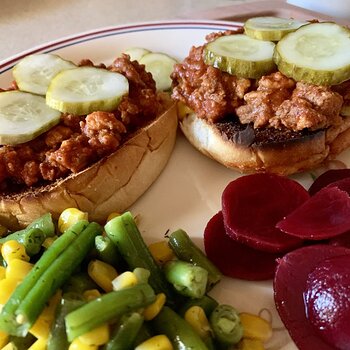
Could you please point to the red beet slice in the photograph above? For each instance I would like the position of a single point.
(289, 287)
(341, 240)
(234, 259)
(327, 178)
(253, 204)
(323, 216)
(343, 185)
(327, 301)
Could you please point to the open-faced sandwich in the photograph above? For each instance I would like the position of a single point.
(96, 141)
(269, 97)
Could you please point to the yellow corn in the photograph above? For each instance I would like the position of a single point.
(7, 286)
(3, 230)
(4, 338)
(69, 217)
(39, 344)
(124, 280)
(151, 311)
(48, 242)
(9, 346)
(13, 250)
(97, 336)
(159, 342)
(18, 269)
(76, 344)
(103, 274)
(255, 327)
(91, 294)
(41, 327)
(2, 273)
(112, 216)
(161, 252)
(251, 344)
(197, 318)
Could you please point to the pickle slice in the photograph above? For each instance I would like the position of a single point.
(136, 53)
(34, 73)
(317, 53)
(241, 55)
(86, 89)
(270, 28)
(24, 116)
(160, 66)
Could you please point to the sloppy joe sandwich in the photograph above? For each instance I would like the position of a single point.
(269, 97)
(86, 136)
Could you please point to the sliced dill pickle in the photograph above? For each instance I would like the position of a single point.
(270, 28)
(86, 89)
(34, 73)
(317, 53)
(136, 53)
(240, 55)
(24, 116)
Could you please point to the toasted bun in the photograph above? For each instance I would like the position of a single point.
(280, 154)
(112, 184)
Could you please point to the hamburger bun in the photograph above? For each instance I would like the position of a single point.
(114, 183)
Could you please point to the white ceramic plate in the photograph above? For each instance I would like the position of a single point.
(188, 192)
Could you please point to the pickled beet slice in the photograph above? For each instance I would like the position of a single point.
(342, 240)
(253, 204)
(234, 259)
(289, 286)
(328, 177)
(327, 301)
(323, 216)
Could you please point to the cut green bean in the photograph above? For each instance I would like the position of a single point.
(207, 303)
(125, 334)
(144, 333)
(79, 283)
(108, 307)
(186, 250)
(181, 335)
(107, 251)
(8, 322)
(226, 325)
(189, 280)
(123, 232)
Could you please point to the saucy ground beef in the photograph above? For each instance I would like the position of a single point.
(273, 101)
(79, 141)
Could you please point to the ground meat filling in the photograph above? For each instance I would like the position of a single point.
(79, 141)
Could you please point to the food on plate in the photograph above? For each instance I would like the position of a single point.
(311, 290)
(105, 158)
(260, 106)
(63, 297)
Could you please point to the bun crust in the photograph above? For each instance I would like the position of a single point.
(112, 184)
(285, 156)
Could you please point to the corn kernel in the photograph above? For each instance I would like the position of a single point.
(13, 250)
(48, 242)
(69, 217)
(159, 342)
(125, 280)
(97, 336)
(103, 274)
(151, 311)
(197, 318)
(9, 346)
(7, 286)
(251, 344)
(39, 344)
(255, 327)
(2, 272)
(112, 216)
(161, 252)
(18, 269)
(4, 338)
(91, 294)
(41, 327)
(76, 344)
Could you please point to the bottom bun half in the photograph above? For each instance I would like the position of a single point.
(111, 185)
(280, 154)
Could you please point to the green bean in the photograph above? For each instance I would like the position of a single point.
(125, 333)
(79, 283)
(55, 276)
(108, 307)
(22, 343)
(207, 303)
(107, 251)
(123, 232)
(8, 322)
(144, 333)
(58, 337)
(181, 335)
(226, 325)
(186, 250)
(189, 280)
